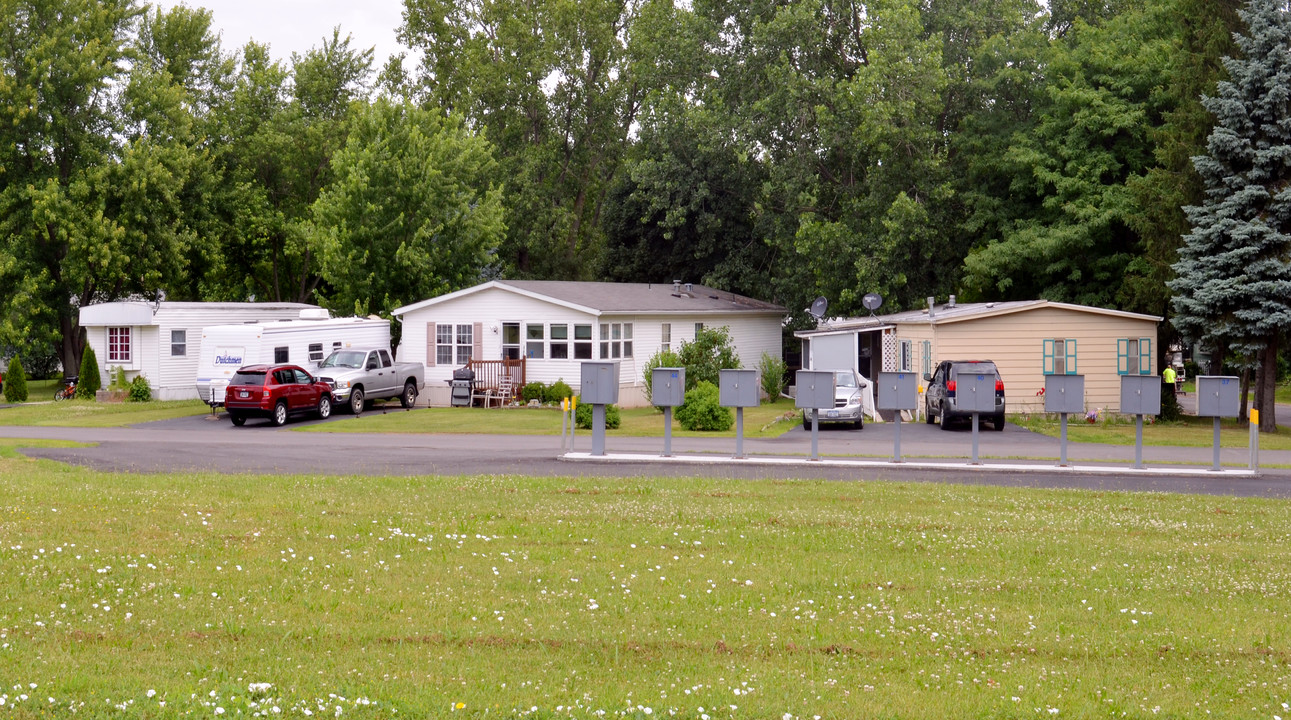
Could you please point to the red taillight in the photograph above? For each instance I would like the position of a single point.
(999, 386)
(950, 386)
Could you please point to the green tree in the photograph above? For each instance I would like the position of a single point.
(707, 355)
(15, 382)
(411, 214)
(1233, 277)
(88, 380)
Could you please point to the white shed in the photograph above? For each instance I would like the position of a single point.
(162, 341)
(555, 325)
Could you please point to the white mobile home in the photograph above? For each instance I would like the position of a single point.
(162, 341)
(550, 327)
(304, 342)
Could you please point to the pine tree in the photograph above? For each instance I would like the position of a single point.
(1233, 278)
(89, 381)
(15, 382)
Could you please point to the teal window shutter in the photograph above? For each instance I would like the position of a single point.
(1122, 357)
(1048, 357)
(927, 357)
(1070, 364)
(1145, 356)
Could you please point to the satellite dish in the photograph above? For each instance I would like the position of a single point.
(872, 301)
(818, 308)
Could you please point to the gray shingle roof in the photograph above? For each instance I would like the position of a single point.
(643, 297)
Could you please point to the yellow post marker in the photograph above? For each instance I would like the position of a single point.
(1255, 439)
(564, 404)
(1255, 416)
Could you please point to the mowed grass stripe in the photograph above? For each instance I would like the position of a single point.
(576, 596)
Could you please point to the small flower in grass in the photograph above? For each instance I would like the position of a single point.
(151, 693)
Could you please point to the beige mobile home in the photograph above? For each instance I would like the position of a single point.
(1026, 339)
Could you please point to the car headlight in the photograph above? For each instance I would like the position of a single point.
(855, 399)
(342, 384)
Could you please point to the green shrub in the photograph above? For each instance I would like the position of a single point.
(140, 390)
(15, 382)
(557, 391)
(707, 356)
(772, 372)
(533, 391)
(663, 358)
(118, 380)
(583, 416)
(703, 409)
(89, 382)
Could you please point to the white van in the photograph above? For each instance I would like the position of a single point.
(304, 342)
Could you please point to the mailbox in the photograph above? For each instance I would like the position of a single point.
(600, 384)
(897, 391)
(975, 392)
(814, 389)
(739, 388)
(1141, 394)
(1217, 395)
(1064, 394)
(668, 386)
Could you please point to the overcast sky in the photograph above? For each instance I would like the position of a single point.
(289, 26)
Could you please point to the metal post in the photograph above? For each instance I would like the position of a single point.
(896, 447)
(667, 432)
(598, 429)
(1255, 440)
(739, 433)
(573, 416)
(975, 460)
(815, 432)
(563, 434)
(1216, 468)
(1062, 442)
(1138, 442)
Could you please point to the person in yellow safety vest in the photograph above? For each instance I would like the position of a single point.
(1169, 377)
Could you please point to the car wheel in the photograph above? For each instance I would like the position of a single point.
(409, 396)
(927, 413)
(238, 420)
(324, 406)
(356, 401)
(806, 424)
(860, 422)
(280, 413)
(997, 422)
(945, 419)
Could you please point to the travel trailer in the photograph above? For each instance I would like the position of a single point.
(305, 342)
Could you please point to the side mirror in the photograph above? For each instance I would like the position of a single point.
(927, 377)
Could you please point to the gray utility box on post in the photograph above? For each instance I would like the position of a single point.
(668, 387)
(600, 383)
(738, 388)
(1217, 395)
(898, 391)
(814, 389)
(1140, 395)
(975, 392)
(1064, 394)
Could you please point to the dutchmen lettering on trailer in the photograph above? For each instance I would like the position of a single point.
(229, 356)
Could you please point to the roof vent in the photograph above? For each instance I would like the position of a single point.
(315, 314)
(688, 288)
(676, 286)
(932, 303)
(951, 304)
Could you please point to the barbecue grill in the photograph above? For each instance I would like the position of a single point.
(463, 385)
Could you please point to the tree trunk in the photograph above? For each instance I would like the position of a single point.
(73, 344)
(1266, 388)
(1242, 415)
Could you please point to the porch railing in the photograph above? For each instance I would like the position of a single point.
(489, 374)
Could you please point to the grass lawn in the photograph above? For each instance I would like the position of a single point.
(512, 597)
(767, 420)
(1189, 432)
(87, 413)
(1283, 394)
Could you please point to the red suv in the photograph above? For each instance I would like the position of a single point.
(275, 392)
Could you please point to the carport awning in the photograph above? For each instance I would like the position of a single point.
(843, 330)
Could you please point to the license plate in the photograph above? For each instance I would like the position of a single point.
(832, 413)
(242, 393)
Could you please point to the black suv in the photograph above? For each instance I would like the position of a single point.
(940, 398)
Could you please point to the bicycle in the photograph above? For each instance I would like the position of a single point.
(68, 391)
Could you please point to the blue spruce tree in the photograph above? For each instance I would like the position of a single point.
(1233, 277)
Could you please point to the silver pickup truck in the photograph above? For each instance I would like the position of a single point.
(358, 375)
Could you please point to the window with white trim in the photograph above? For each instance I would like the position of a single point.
(316, 352)
(1134, 356)
(559, 341)
(119, 344)
(906, 359)
(616, 340)
(665, 337)
(178, 343)
(1059, 356)
(465, 342)
(511, 341)
(582, 342)
(534, 335)
(443, 344)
